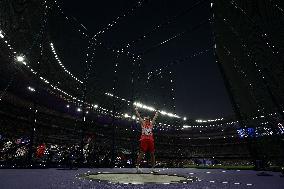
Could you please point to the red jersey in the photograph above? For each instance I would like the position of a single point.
(147, 131)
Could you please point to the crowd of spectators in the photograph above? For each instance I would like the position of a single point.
(63, 141)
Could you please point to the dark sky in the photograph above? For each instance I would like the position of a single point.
(199, 89)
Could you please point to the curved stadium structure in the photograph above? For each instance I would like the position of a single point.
(57, 115)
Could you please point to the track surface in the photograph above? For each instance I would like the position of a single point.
(68, 179)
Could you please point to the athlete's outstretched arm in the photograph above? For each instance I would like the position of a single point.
(155, 117)
(138, 115)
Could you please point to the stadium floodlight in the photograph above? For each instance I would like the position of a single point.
(31, 89)
(170, 114)
(1, 34)
(126, 116)
(20, 58)
(150, 108)
(163, 112)
(201, 121)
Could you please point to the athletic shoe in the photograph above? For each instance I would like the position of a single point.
(154, 171)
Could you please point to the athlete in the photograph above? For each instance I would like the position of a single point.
(146, 139)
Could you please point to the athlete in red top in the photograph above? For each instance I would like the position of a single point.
(146, 140)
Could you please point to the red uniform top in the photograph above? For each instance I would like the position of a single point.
(147, 131)
(40, 150)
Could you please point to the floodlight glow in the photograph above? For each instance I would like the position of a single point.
(140, 105)
(170, 114)
(20, 58)
(126, 116)
(31, 89)
(1, 34)
(205, 121)
(163, 112)
(79, 110)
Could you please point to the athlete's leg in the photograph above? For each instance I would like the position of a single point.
(139, 159)
(143, 149)
(153, 162)
(152, 152)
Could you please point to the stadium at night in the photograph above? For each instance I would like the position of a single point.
(141, 94)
